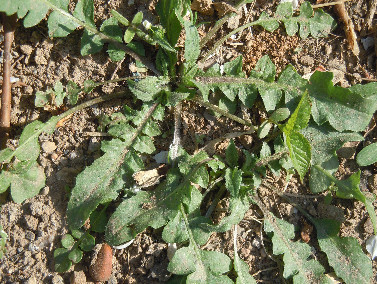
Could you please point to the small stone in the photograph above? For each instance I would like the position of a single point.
(30, 236)
(368, 227)
(48, 147)
(45, 190)
(26, 49)
(256, 242)
(78, 277)
(54, 156)
(57, 279)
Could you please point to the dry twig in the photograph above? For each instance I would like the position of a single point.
(349, 29)
(9, 23)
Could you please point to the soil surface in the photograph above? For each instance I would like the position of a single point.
(35, 227)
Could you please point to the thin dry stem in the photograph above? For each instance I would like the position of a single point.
(329, 4)
(9, 23)
(349, 29)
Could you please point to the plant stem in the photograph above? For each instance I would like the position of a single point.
(276, 156)
(222, 112)
(89, 103)
(9, 23)
(215, 201)
(223, 39)
(191, 236)
(219, 23)
(92, 29)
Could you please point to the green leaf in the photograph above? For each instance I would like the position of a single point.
(59, 93)
(110, 28)
(231, 154)
(25, 180)
(98, 221)
(297, 262)
(344, 254)
(192, 49)
(300, 152)
(88, 242)
(97, 184)
(90, 43)
(202, 266)
(342, 108)
(242, 270)
(264, 129)
(75, 255)
(72, 92)
(59, 24)
(120, 18)
(367, 155)
(238, 204)
(84, 11)
(300, 117)
(129, 35)
(131, 217)
(279, 115)
(349, 188)
(138, 18)
(62, 261)
(166, 10)
(321, 24)
(318, 181)
(175, 231)
(270, 24)
(42, 99)
(325, 141)
(68, 241)
(144, 144)
(266, 71)
(234, 67)
(148, 88)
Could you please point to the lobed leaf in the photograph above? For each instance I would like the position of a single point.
(297, 262)
(324, 141)
(342, 108)
(344, 254)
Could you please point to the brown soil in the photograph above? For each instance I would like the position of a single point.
(36, 226)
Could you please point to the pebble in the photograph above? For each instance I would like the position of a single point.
(45, 190)
(368, 227)
(26, 49)
(57, 279)
(256, 243)
(78, 277)
(48, 147)
(29, 235)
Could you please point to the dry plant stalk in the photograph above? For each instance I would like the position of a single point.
(349, 29)
(9, 23)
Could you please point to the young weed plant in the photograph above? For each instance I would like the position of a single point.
(308, 120)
